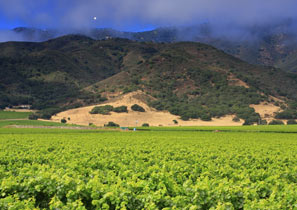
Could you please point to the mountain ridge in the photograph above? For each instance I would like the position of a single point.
(189, 79)
(274, 45)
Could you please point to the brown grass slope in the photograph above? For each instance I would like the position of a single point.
(151, 116)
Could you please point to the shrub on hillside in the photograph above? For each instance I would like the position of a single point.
(48, 113)
(283, 106)
(205, 117)
(107, 109)
(137, 108)
(102, 99)
(33, 117)
(276, 122)
(111, 124)
(287, 114)
(293, 105)
(184, 117)
(63, 121)
(92, 125)
(236, 119)
(262, 122)
(252, 120)
(102, 109)
(248, 114)
(120, 109)
(291, 122)
(248, 122)
(145, 125)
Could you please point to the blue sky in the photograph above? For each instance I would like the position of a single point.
(74, 14)
(140, 15)
(11, 23)
(6, 23)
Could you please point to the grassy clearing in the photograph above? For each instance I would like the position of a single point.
(14, 115)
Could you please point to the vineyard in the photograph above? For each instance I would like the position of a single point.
(13, 115)
(56, 169)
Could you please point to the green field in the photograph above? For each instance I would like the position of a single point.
(14, 115)
(4, 123)
(256, 128)
(172, 169)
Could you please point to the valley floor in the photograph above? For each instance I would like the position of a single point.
(170, 169)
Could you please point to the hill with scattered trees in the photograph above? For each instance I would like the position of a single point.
(192, 80)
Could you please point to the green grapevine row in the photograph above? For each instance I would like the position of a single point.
(148, 170)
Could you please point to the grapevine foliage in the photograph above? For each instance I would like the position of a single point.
(148, 170)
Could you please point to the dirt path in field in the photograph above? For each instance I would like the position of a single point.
(81, 116)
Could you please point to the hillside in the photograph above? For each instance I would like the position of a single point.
(269, 45)
(271, 49)
(54, 72)
(151, 116)
(266, 45)
(192, 80)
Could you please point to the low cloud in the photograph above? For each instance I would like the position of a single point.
(123, 13)
(228, 16)
(7, 35)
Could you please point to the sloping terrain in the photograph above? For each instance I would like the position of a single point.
(289, 62)
(269, 45)
(53, 73)
(81, 116)
(266, 110)
(191, 80)
(277, 50)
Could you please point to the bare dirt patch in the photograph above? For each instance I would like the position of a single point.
(81, 116)
(266, 110)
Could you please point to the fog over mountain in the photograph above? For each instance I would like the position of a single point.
(259, 32)
(230, 18)
(163, 34)
(270, 45)
(122, 15)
